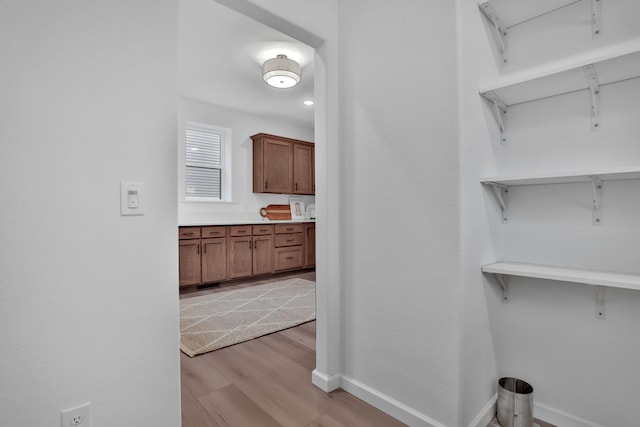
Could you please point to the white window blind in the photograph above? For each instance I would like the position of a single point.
(204, 162)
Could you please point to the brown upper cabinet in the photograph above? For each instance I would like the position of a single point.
(282, 165)
(303, 168)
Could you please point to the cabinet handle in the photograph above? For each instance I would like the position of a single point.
(289, 258)
(204, 248)
(198, 248)
(296, 186)
(290, 240)
(188, 234)
(266, 185)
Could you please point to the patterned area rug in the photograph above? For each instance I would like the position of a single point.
(210, 322)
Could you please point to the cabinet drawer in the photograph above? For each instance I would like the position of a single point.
(289, 228)
(293, 239)
(262, 230)
(240, 230)
(288, 258)
(219, 231)
(189, 233)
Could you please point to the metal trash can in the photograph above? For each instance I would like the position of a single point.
(515, 403)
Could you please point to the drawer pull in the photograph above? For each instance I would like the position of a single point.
(188, 234)
(289, 258)
(290, 240)
(289, 229)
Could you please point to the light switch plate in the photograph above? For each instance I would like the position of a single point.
(131, 198)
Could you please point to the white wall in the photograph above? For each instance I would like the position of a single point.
(480, 232)
(88, 300)
(245, 203)
(310, 22)
(402, 296)
(414, 377)
(582, 369)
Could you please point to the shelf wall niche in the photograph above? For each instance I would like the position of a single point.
(590, 73)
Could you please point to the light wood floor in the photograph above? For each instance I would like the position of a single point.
(267, 382)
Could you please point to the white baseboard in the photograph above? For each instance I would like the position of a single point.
(387, 404)
(541, 411)
(486, 414)
(414, 418)
(325, 382)
(557, 417)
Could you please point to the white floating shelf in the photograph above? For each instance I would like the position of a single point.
(587, 277)
(566, 77)
(500, 185)
(585, 72)
(568, 177)
(505, 14)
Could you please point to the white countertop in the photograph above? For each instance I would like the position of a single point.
(240, 222)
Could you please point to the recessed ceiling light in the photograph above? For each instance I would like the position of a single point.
(308, 102)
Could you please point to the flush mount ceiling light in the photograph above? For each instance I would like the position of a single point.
(281, 72)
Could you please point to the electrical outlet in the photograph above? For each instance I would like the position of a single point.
(78, 416)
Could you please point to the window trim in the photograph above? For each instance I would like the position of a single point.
(225, 164)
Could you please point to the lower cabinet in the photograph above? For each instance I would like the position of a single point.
(240, 257)
(309, 245)
(289, 241)
(189, 255)
(214, 260)
(262, 248)
(288, 258)
(218, 253)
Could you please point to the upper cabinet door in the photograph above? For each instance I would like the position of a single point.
(303, 169)
(278, 166)
(282, 165)
(272, 165)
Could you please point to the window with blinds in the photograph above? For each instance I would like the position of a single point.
(204, 161)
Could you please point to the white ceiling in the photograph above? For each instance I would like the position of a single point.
(220, 56)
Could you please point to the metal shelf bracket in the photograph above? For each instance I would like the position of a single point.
(499, 110)
(594, 93)
(596, 13)
(499, 30)
(600, 302)
(504, 284)
(596, 188)
(500, 192)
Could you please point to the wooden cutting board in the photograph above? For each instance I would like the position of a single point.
(276, 212)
